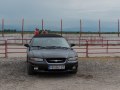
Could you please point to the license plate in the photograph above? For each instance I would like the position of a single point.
(53, 67)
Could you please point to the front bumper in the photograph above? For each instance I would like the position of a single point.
(43, 66)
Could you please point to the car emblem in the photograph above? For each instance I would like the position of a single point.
(56, 60)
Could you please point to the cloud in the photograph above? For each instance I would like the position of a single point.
(53, 10)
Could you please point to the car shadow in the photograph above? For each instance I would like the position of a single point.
(53, 75)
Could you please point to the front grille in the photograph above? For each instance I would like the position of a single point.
(55, 60)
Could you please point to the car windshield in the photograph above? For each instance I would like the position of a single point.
(49, 42)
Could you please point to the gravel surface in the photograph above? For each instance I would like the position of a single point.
(93, 74)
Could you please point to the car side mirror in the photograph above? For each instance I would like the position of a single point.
(72, 45)
(26, 45)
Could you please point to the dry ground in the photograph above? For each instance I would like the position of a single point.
(93, 74)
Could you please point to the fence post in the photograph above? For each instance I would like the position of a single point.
(80, 27)
(79, 41)
(22, 29)
(102, 42)
(118, 28)
(2, 27)
(99, 28)
(91, 40)
(42, 24)
(107, 46)
(6, 49)
(87, 48)
(61, 27)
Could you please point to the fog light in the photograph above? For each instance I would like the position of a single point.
(74, 67)
(35, 68)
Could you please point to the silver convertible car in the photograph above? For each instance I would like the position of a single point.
(50, 53)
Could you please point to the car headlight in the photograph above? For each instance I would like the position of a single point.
(37, 59)
(73, 59)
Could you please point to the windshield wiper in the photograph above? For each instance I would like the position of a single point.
(63, 47)
(55, 47)
(38, 46)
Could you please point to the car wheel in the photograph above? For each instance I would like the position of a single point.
(74, 72)
(30, 69)
(27, 58)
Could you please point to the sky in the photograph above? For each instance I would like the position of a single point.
(71, 11)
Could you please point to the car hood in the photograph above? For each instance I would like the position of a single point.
(52, 53)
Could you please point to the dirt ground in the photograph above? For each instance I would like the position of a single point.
(93, 74)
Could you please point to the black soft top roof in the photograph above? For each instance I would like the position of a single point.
(47, 35)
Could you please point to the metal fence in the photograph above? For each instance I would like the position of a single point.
(22, 26)
(88, 45)
(86, 48)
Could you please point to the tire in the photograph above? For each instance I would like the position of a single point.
(74, 72)
(27, 58)
(30, 69)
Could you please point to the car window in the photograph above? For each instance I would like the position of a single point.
(51, 41)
